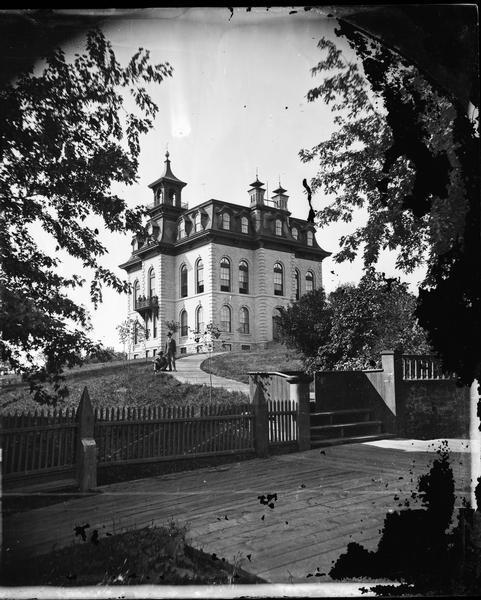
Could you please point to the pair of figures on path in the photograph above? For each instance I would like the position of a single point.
(165, 360)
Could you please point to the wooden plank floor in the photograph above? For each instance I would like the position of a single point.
(325, 499)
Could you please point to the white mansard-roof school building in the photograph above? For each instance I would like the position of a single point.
(219, 263)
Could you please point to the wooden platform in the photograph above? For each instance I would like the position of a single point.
(325, 499)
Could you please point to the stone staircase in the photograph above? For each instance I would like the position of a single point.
(344, 426)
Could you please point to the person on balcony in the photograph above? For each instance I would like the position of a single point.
(170, 350)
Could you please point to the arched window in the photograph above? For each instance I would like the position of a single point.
(225, 220)
(278, 280)
(244, 320)
(151, 282)
(181, 229)
(295, 233)
(225, 318)
(245, 225)
(276, 317)
(183, 281)
(197, 222)
(199, 276)
(154, 325)
(136, 293)
(310, 238)
(297, 279)
(309, 281)
(243, 277)
(278, 227)
(199, 319)
(225, 275)
(184, 330)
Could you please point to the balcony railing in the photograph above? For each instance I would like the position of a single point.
(143, 304)
(184, 205)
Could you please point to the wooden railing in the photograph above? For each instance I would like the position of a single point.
(422, 368)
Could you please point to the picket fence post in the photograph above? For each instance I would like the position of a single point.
(86, 447)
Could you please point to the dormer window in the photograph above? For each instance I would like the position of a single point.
(225, 220)
(197, 222)
(181, 229)
(295, 233)
(310, 238)
(135, 244)
(278, 227)
(245, 225)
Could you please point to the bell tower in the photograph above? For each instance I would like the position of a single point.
(168, 188)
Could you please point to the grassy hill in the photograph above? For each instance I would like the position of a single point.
(236, 365)
(133, 385)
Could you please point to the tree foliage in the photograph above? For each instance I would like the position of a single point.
(66, 135)
(351, 328)
(409, 156)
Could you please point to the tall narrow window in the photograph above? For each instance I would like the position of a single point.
(199, 319)
(151, 282)
(136, 333)
(245, 225)
(225, 220)
(136, 293)
(244, 320)
(295, 233)
(199, 276)
(197, 222)
(310, 238)
(278, 280)
(297, 279)
(181, 229)
(225, 275)
(225, 318)
(147, 328)
(184, 329)
(243, 277)
(154, 325)
(183, 281)
(278, 227)
(309, 281)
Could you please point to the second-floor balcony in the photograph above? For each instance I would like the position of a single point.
(144, 304)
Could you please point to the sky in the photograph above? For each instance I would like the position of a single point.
(236, 104)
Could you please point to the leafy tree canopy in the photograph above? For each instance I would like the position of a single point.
(351, 328)
(65, 137)
(409, 156)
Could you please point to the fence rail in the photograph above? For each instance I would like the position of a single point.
(422, 368)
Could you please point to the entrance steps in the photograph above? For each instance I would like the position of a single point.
(345, 426)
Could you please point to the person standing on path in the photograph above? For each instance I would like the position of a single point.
(170, 350)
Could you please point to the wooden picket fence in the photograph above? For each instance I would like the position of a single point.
(282, 422)
(172, 432)
(37, 442)
(46, 442)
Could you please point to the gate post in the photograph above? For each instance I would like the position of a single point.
(86, 447)
(300, 394)
(261, 416)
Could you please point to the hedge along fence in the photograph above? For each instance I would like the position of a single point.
(73, 444)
